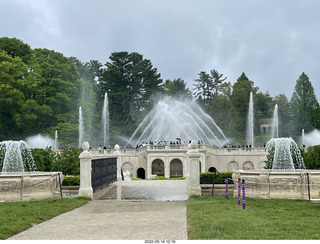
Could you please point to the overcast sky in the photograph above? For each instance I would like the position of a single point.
(272, 41)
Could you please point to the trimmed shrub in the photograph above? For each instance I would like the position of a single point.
(71, 180)
(207, 178)
(160, 178)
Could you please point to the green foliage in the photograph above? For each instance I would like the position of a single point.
(177, 88)
(39, 89)
(160, 178)
(130, 81)
(43, 158)
(312, 157)
(71, 180)
(304, 106)
(67, 161)
(207, 178)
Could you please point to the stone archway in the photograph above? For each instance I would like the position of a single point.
(233, 166)
(141, 173)
(212, 169)
(128, 166)
(157, 167)
(176, 168)
(248, 165)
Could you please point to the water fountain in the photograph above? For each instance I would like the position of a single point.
(172, 120)
(16, 157)
(311, 138)
(275, 123)
(19, 179)
(80, 127)
(56, 145)
(286, 154)
(250, 134)
(286, 176)
(39, 141)
(105, 120)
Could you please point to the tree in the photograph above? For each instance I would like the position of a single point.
(283, 114)
(240, 103)
(216, 80)
(91, 99)
(130, 81)
(304, 106)
(207, 86)
(16, 48)
(203, 89)
(176, 88)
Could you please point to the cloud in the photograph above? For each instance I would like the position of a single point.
(273, 42)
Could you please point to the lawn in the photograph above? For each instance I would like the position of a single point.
(18, 216)
(218, 218)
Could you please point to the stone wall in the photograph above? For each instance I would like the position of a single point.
(268, 184)
(27, 186)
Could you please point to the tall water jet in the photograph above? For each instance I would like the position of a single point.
(105, 120)
(275, 123)
(16, 156)
(302, 138)
(56, 145)
(170, 120)
(250, 135)
(286, 154)
(80, 127)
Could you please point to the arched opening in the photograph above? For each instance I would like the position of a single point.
(248, 165)
(141, 173)
(233, 166)
(157, 167)
(128, 167)
(176, 169)
(212, 169)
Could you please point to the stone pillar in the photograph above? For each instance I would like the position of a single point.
(194, 171)
(166, 167)
(85, 189)
(149, 168)
(117, 154)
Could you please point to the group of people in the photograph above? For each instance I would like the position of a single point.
(163, 143)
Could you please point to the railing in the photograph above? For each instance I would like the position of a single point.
(173, 147)
(104, 172)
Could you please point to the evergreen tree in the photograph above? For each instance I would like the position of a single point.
(130, 81)
(177, 88)
(304, 106)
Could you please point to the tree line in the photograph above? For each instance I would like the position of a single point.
(41, 91)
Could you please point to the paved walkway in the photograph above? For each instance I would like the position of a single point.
(156, 212)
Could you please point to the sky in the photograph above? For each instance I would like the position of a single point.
(271, 41)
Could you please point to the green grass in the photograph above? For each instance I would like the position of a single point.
(18, 216)
(218, 218)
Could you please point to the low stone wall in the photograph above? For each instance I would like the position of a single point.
(269, 184)
(27, 186)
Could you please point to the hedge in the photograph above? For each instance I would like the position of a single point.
(71, 180)
(207, 178)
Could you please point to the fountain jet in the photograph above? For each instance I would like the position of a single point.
(171, 119)
(250, 135)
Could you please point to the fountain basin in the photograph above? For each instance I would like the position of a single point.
(25, 186)
(278, 184)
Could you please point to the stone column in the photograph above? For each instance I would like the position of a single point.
(149, 168)
(194, 171)
(166, 167)
(117, 154)
(85, 189)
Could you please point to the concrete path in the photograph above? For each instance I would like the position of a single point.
(121, 219)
